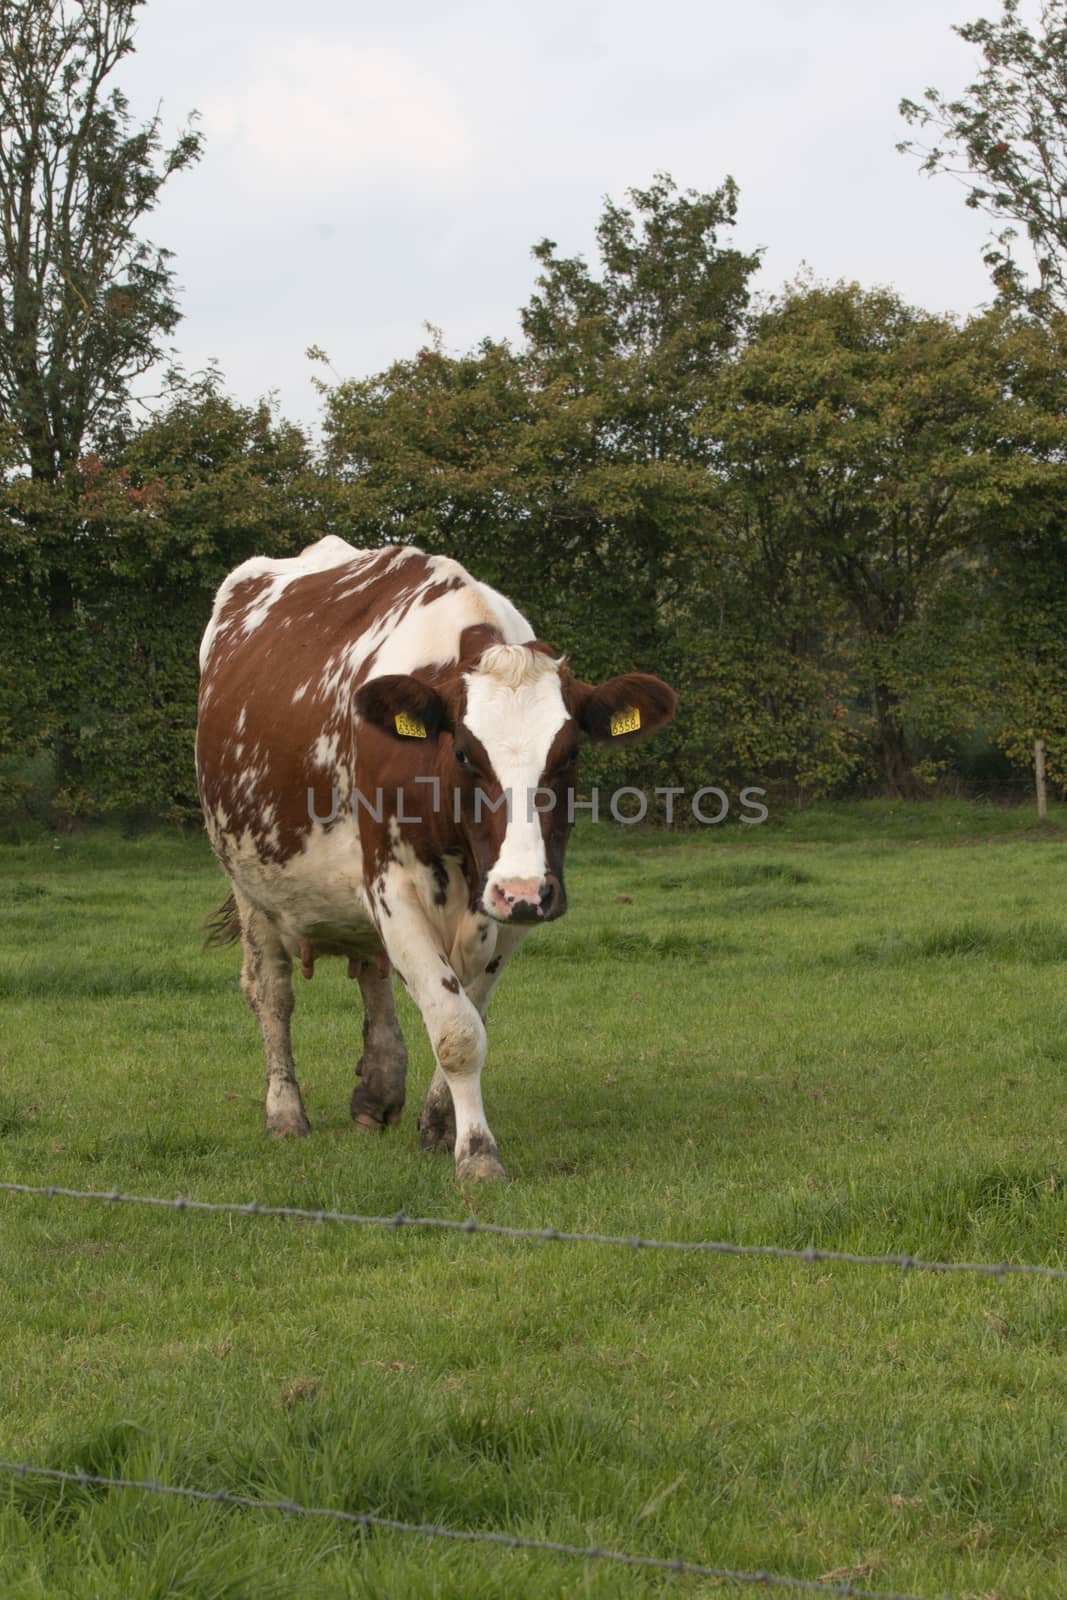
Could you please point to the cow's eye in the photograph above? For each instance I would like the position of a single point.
(462, 759)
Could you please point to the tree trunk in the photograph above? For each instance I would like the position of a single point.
(897, 766)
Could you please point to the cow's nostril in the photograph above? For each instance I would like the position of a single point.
(551, 897)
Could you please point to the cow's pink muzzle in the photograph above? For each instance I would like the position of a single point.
(524, 899)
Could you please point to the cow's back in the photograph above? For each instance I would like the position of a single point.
(288, 643)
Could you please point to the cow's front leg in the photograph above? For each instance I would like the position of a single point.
(378, 1098)
(480, 989)
(456, 1031)
(437, 1119)
(267, 985)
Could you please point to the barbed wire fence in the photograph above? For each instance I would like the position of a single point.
(401, 1220)
(366, 1521)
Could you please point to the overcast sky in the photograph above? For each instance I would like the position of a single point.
(369, 169)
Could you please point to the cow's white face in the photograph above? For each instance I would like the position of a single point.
(516, 711)
(502, 737)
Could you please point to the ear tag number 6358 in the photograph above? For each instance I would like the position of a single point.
(627, 721)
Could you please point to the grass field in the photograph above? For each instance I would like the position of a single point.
(847, 1029)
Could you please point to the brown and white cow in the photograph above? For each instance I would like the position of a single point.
(374, 728)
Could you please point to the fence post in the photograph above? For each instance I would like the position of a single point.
(1039, 773)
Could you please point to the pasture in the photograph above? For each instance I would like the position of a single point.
(848, 1029)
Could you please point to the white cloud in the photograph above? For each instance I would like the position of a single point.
(367, 169)
(313, 118)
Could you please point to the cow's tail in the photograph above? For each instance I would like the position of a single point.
(224, 925)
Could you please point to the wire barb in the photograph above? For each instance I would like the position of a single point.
(721, 1247)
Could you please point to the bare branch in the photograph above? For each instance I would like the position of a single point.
(1005, 138)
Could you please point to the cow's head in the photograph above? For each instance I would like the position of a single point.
(508, 727)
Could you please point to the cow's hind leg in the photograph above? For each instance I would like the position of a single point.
(378, 1098)
(267, 985)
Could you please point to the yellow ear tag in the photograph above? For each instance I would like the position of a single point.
(627, 721)
(409, 727)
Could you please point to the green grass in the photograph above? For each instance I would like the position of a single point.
(846, 1028)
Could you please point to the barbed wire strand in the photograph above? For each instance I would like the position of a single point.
(723, 1247)
(433, 1530)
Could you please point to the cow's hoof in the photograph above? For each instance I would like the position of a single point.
(437, 1134)
(288, 1128)
(480, 1169)
(369, 1115)
(437, 1124)
(365, 1122)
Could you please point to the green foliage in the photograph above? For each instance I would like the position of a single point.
(834, 525)
(569, 474)
(1006, 137)
(84, 301)
(1024, 543)
(143, 539)
(792, 517)
(874, 454)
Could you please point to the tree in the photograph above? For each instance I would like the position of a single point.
(1026, 544)
(566, 471)
(85, 303)
(203, 485)
(653, 328)
(1005, 136)
(860, 437)
(632, 355)
(428, 452)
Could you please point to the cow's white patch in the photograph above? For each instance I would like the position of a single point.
(499, 610)
(317, 894)
(258, 612)
(324, 751)
(250, 776)
(474, 946)
(515, 708)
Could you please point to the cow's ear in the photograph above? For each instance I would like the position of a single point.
(403, 706)
(625, 709)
